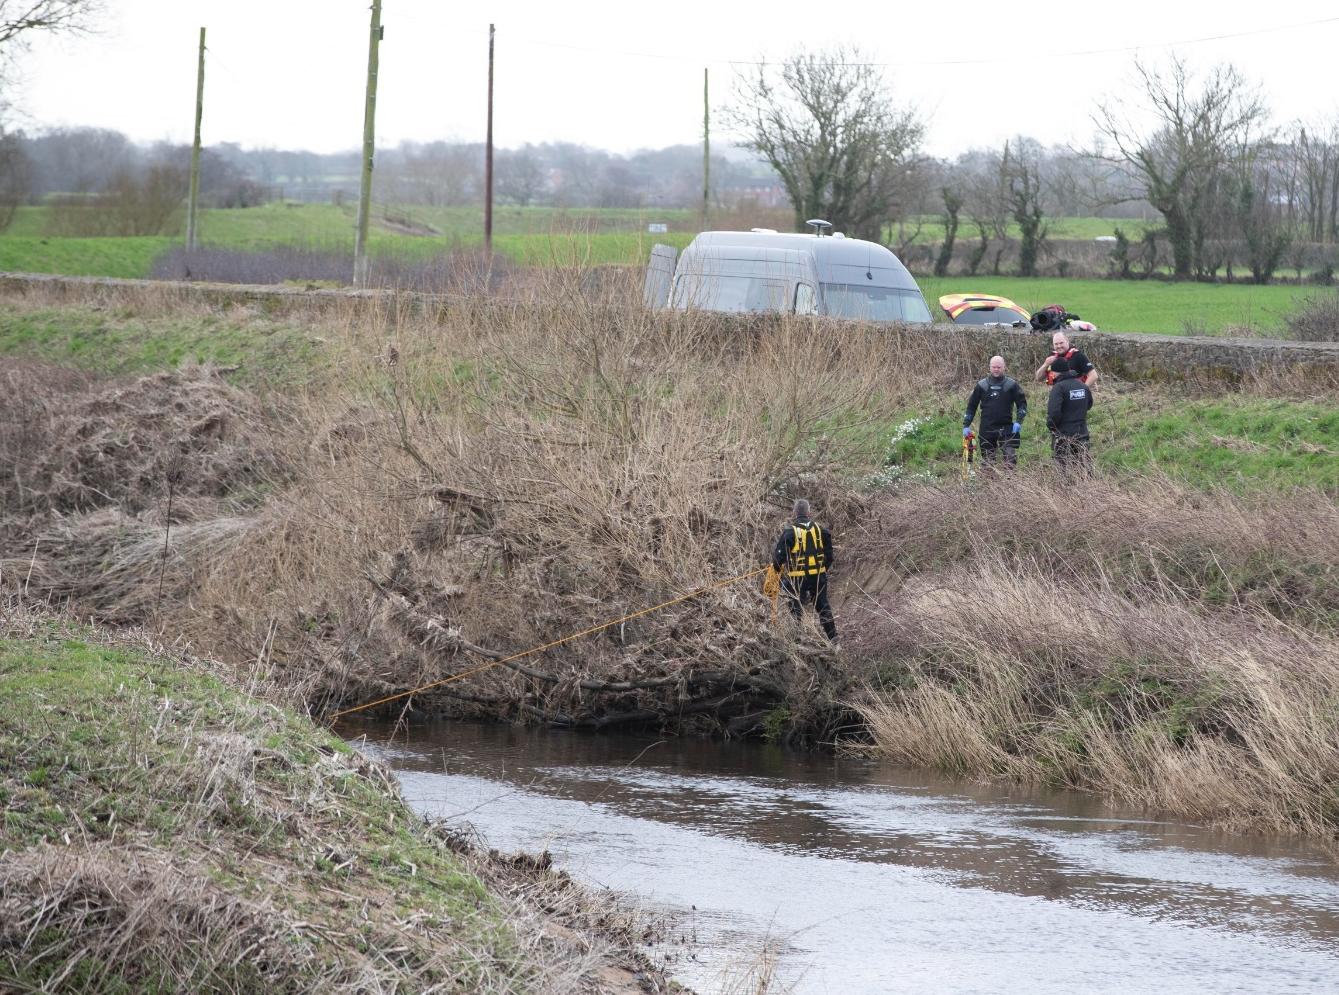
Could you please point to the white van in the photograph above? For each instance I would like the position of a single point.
(763, 270)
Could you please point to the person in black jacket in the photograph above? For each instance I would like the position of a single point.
(1003, 407)
(1067, 418)
(1065, 356)
(804, 554)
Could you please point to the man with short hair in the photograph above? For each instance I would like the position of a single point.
(804, 554)
(1003, 407)
(1067, 418)
(1066, 357)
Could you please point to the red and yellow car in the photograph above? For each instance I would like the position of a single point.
(983, 309)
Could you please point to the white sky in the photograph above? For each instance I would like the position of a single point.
(627, 75)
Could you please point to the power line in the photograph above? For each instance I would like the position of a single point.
(994, 60)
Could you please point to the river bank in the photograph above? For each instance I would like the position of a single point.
(364, 501)
(164, 830)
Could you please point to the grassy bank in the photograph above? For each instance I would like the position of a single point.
(164, 831)
(450, 488)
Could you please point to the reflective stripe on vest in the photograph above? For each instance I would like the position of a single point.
(806, 552)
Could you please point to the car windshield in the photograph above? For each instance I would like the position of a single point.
(989, 315)
(850, 300)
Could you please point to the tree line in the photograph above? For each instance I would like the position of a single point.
(1231, 191)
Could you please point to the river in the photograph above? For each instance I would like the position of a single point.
(866, 878)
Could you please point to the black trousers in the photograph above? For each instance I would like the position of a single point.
(999, 444)
(1072, 452)
(798, 591)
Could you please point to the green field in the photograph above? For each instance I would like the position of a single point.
(612, 236)
(1141, 305)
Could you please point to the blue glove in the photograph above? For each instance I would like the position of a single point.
(966, 431)
(1018, 428)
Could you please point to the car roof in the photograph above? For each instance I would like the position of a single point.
(837, 259)
(955, 304)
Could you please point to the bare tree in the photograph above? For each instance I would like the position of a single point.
(830, 130)
(19, 19)
(1316, 154)
(15, 177)
(1198, 129)
(1020, 177)
(953, 201)
(520, 175)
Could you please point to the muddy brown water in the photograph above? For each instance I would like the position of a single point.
(867, 878)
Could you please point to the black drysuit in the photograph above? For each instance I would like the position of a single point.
(804, 554)
(1002, 403)
(1067, 418)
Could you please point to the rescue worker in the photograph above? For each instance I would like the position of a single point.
(804, 555)
(1003, 407)
(1067, 418)
(1066, 357)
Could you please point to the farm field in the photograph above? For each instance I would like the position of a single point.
(614, 236)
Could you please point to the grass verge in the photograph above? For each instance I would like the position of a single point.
(163, 831)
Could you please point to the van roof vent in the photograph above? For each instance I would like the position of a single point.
(764, 231)
(837, 234)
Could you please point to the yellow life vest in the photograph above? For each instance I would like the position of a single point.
(806, 552)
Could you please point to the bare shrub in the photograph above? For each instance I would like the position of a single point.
(543, 468)
(149, 203)
(1316, 320)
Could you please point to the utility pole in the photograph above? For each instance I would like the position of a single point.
(488, 159)
(706, 148)
(360, 263)
(193, 203)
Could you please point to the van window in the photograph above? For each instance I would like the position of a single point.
(805, 301)
(850, 300)
(730, 293)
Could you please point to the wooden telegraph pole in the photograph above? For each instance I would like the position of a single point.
(193, 203)
(488, 158)
(706, 149)
(360, 263)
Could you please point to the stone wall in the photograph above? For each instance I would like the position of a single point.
(1122, 355)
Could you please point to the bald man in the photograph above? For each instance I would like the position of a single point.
(1003, 407)
(1065, 357)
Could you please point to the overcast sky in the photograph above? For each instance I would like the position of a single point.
(622, 76)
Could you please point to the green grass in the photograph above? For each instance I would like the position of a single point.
(105, 749)
(265, 350)
(1139, 305)
(1240, 442)
(129, 258)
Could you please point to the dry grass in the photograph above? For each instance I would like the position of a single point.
(1175, 650)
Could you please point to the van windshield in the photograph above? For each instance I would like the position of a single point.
(850, 300)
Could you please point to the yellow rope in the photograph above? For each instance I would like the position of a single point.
(556, 642)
